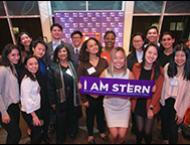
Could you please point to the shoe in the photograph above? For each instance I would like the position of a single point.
(92, 142)
(72, 136)
(103, 136)
(46, 140)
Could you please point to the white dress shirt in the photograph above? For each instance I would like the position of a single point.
(30, 95)
(139, 55)
(76, 50)
(55, 44)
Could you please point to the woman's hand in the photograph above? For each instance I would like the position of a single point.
(53, 107)
(86, 104)
(154, 89)
(79, 86)
(179, 120)
(150, 114)
(36, 121)
(6, 118)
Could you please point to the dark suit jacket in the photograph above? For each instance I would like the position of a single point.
(50, 52)
(131, 60)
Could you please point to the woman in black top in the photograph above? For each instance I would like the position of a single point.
(137, 50)
(24, 42)
(167, 41)
(63, 92)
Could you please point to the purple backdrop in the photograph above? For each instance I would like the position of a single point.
(93, 24)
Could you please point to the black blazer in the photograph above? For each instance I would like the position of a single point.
(131, 60)
(50, 52)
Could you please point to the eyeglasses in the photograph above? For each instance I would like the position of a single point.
(168, 39)
(76, 37)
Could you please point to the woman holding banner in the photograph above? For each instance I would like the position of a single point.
(117, 109)
(146, 109)
(91, 64)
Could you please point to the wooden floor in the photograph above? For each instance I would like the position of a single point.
(82, 137)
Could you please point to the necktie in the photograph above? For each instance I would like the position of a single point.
(77, 51)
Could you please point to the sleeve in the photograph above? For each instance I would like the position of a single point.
(51, 87)
(26, 94)
(3, 109)
(157, 95)
(71, 50)
(106, 64)
(81, 72)
(129, 62)
(183, 103)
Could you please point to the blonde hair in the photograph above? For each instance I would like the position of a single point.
(113, 53)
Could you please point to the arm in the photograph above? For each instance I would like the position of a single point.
(133, 100)
(26, 98)
(3, 109)
(36, 120)
(131, 76)
(103, 74)
(81, 72)
(157, 94)
(51, 86)
(182, 104)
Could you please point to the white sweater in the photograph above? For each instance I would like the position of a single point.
(30, 95)
(9, 89)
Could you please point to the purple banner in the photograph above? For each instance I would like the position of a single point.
(91, 24)
(116, 87)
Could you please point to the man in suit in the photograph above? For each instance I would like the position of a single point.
(56, 33)
(77, 41)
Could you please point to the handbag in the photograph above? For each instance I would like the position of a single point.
(186, 125)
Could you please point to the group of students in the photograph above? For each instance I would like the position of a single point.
(42, 81)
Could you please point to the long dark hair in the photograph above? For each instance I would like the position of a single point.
(6, 51)
(58, 48)
(20, 45)
(172, 69)
(26, 72)
(155, 66)
(84, 55)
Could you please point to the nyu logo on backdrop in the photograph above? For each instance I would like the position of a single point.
(88, 22)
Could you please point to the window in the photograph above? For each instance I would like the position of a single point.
(178, 7)
(105, 5)
(30, 25)
(68, 5)
(2, 11)
(5, 34)
(141, 24)
(178, 25)
(81, 5)
(23, 7)
(148, 6)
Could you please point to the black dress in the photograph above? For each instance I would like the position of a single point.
(140, 108)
